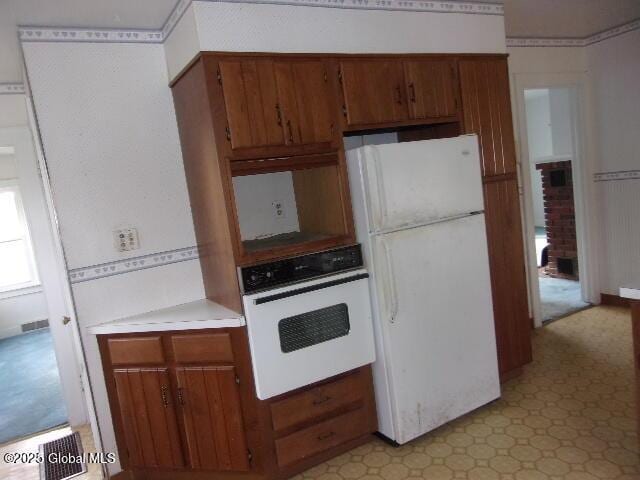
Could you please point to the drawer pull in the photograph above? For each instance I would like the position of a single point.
(326, 436)
(165, 397)
(180, 396)
(320, 401)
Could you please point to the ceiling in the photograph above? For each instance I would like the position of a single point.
(523, 18)
(566, 18)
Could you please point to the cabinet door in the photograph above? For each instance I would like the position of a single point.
(373, 91)
(484, 86)
(508, 277)
(250, 98)
(431, 88)
(306, 100)
(210, 405)
(148, 417)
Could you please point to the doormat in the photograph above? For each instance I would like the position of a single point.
(62, 458)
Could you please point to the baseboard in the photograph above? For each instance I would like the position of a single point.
(614, 300)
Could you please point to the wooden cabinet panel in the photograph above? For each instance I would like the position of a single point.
(484, 86)
(148, 417)
(250, 97)
(431, 88)
(322, 436)
(202, 348)
(306, 100)
(136, 351)
(373, 91)
(318, 401)
(508, 277)
(210, 406)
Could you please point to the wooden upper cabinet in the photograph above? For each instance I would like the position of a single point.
(306, 101)
(251, 103)
(210, 405)
(431, 88)
(484, 87)
(276, 102)
(374, 91)
(148, 417)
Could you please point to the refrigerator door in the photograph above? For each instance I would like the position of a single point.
(435, 316)
(415, 183)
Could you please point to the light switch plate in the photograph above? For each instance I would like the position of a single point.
(126, 239)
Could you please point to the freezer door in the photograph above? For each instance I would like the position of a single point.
(437, 323)
(414, 183)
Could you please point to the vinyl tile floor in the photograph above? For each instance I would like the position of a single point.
(569, 416)
(31, 471)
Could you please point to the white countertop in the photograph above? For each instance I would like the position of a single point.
(188, 316)
(632, 292)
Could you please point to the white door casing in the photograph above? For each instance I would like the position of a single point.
(51, 271)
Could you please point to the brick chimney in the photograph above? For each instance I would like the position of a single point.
(559, 214)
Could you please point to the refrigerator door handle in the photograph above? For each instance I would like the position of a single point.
(382, 201)
(391, 282)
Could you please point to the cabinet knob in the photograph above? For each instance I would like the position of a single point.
(180, 396)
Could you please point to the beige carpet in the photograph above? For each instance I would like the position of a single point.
(571, 416)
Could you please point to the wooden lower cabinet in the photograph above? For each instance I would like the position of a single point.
(148, 417)
(184, 407)
(212, 418)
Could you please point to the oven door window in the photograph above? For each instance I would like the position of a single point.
(312, 328)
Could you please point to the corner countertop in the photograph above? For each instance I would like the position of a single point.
(188, 316)
(631, 292)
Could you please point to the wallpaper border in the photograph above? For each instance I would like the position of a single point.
(132, 264)
(620, 175)
(12, 88)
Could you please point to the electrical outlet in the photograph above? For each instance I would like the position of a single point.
(126, 239)
(278, 210)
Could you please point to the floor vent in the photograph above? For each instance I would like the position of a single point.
(37, 325)
(58, 458)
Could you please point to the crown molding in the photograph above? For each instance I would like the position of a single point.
(574, 42)
(11, 88)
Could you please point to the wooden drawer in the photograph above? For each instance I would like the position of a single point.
(319, 401)
(202, 348)
(136, 351)
(322, 436)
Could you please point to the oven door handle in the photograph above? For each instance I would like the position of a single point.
(391, 281)
(311, 288)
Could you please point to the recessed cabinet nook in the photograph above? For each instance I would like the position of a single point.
(184, 402)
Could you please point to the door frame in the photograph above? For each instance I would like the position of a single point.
(583, 192)
(50, 269)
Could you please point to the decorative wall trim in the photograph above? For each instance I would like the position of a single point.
(574, 42)
(11, 88)
(622, 175)
(94, 272)
(108, 35)
(91, 35)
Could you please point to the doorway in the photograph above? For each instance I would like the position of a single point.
(31, 398)
(553, 156)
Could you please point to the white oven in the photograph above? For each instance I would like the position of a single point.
(306, 332)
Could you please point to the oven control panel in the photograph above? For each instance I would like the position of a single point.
(305, 267)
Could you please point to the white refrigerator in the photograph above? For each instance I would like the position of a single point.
(418, 209)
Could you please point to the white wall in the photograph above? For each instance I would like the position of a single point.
(255, 196)
(13, 111)
(220, 26)
(615, 71)
(538, 123)
(111, 144)
(560, 119)
(18, 308)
